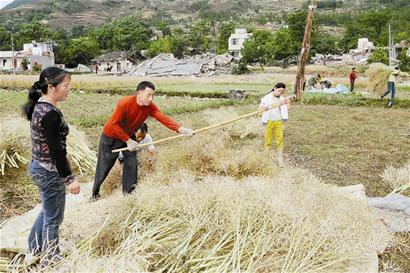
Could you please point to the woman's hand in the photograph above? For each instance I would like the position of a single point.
(74, 187)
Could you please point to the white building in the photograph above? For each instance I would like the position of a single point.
(39, 54)
(236, 40)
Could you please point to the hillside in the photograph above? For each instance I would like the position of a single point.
(67, 14)
(59, 13)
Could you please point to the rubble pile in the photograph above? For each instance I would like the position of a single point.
(167, 65)
(348, 59)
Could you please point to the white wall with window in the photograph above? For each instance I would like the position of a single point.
(236, 41)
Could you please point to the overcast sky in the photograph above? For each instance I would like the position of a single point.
(4, 3)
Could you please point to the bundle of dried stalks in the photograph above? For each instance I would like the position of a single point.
(235, 150)
(14, 144)
(378, 75)
(290, 223)
(79, 153)
(398, 178)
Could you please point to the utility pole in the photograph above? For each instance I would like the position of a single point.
(13, 59)
(304, 54)
(391, 49)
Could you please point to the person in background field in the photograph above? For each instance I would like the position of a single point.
(391, 85)
(314, 82)
(352, 77)
(119, 132)
(96, 68)
(275, 117)
(49, 167)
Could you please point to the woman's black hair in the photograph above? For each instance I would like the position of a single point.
(50, 75)
(280, 85)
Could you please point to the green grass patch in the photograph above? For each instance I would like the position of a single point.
(354, 99)
(405, 88)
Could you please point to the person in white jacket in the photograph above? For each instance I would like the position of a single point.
(142, 137)
(274, 118)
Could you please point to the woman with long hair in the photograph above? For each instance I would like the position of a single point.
(49, 168)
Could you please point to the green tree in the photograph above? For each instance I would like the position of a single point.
(104, 35)
(404, 62)
(258, 49)
(179, 46)
(129, 34)
(352, 32)
(5, 39)
(170, 44)
(164, 28)
(124, 34)
(371, 24)
(81, 50)
(161, 45)
(283, 45)
(35, 31)
(380, 55)
(198, 36)
(325, 43)
(225, 31)
(79, 30)
(297, 24)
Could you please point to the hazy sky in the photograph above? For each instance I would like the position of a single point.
(4, 3)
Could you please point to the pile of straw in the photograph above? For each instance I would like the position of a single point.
(14, 144)
(378, 75)
(79, 153)
(398, 178)
(290, 223)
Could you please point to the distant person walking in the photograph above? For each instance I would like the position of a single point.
(352, 77)
(96, 68)
(391, 85)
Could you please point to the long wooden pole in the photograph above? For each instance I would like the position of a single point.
(304, 54)
(276, 105)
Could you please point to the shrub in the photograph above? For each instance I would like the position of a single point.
(240, 68)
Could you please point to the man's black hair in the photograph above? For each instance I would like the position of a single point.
(145, 84)
(144, 128)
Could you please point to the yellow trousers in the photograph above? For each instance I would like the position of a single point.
(274, 128)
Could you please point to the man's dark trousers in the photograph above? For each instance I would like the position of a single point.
(106, 160)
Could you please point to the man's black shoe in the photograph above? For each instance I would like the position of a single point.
(95, 197)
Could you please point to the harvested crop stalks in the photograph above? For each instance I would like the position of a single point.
(14, 144)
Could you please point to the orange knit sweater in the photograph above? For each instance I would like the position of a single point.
(128, 117)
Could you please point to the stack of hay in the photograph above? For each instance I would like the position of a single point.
(378, 75)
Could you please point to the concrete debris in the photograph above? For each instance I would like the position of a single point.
(364, 45)
(394, 210)
(83, 68)
(357, 56)
(167, 65)
(348, 59)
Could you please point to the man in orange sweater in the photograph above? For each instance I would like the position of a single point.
(119, 132)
